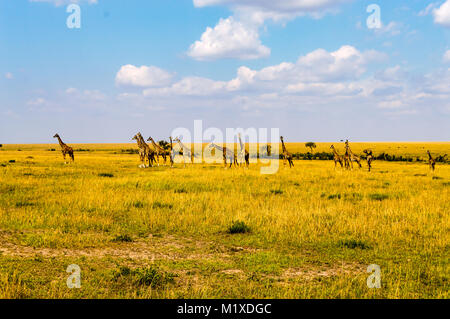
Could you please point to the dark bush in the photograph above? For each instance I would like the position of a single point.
(122, 238)
(353, 244)
(378, 197)
(238, 227)
(106, 175)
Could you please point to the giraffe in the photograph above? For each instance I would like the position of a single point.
(226, 154)
(243, 154)
(159, 150)
(65, 149)
(144, 150)
(286, 155)
(369, 158)
(351, 157)
(265, 151)
(186, 150)
(149, 152)
(337, 158)
(431, 161)
(171, 153)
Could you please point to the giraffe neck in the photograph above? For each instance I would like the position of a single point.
(240, 142)
(183, 146)
(156, 145)
(143, 144)
(283, 147)
(429, 156)
(349, 151)
(138, 141)
(217, 147)
(60, 141)
(335, 152)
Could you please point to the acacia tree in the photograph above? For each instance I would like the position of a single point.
(164, 144)
(311, 145)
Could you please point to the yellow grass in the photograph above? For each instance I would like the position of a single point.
(313, 230)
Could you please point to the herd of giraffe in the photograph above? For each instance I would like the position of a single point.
(147, 154)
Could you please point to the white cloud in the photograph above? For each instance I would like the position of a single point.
(144, 76)
(66, 2)
(318, 72)
(238, 36)
(429, 9)
(91, 95)
(279, 6)
(442, 14)
(9, 75)
(229, 39)
(318, 80)
(392, 28)
(37, 101)
(71, 91)
(447, 56)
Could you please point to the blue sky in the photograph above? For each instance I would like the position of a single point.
(311, 68)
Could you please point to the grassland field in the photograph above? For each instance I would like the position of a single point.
(202, 231)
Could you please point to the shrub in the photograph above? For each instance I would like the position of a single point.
(152, 277)
(123, 238)
(334, 196)
(24, 204)
(138, 204)
(276, 191)
(106, 175)
(378, 197)
(130, 151)
(353, 244)
(238, 227)
(157, 205)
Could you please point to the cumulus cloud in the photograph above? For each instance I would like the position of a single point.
(229, 39)
(318, 72)
(442, 14)
(238, 35)
(144, 76)
(291, 7)
(318, 80)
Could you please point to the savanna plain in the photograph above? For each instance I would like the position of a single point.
(202, 231)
